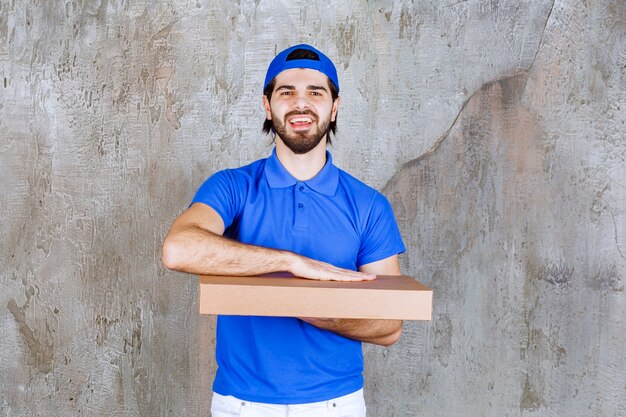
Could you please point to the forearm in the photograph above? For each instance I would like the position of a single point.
(379, 332)
(198, 251)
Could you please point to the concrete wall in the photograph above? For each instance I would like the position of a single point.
(496, 128)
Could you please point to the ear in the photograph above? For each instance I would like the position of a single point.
(333, 115)
(268, 110)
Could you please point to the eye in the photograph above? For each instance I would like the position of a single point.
(286, 93)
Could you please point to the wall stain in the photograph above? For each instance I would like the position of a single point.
(134, 344)
(530, 400)
(346, 41)
(163, 75)
(161, 34)
(558, 275)
(386, 14)
(541, 347)
(409, 28)
(40, 352)
(103, 324)
(599, 204)
(443, 339)
(607, 278)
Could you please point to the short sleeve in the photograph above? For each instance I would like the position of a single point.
(381, 237)
(224, 193)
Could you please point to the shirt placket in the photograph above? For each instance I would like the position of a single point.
(302, 208)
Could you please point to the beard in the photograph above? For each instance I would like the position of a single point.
(301, 142)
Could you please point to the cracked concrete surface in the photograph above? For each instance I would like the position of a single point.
(495, 129)
(545, 26)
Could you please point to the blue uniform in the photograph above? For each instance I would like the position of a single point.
(332, 217)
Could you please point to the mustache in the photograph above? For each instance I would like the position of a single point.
(299, 113)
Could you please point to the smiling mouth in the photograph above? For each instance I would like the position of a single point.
(300, 121)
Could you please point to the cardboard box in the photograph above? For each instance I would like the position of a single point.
(386, 297)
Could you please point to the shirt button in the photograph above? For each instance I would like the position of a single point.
(302, 188)
(300, 205)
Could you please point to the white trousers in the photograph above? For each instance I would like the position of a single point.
(351, 405)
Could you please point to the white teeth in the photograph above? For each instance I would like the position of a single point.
(300, 119)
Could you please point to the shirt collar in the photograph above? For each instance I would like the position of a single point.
(325, 182)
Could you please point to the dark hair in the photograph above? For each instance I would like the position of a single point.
(334, 93)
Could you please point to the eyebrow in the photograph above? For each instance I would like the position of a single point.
(316, 87)
(309, 87)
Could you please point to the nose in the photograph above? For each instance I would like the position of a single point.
(301, 103)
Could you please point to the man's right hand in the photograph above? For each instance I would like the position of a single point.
(195, 245)
(311, 269)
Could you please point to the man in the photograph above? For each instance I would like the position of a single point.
(294, 211)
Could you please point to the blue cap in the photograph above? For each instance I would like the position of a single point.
(317, 61)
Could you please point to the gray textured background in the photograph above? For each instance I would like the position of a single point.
(496, 128)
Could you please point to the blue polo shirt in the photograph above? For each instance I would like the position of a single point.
(332, 217)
